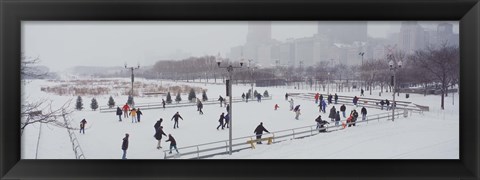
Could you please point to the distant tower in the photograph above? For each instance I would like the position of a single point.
(444, 33)
(345, 32)
(259, 37)
(411, 37)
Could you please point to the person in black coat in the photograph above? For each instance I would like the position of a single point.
(119, 113)
(243, 96)
(355, 116)
(82, 126)
(364, 113)
(175, 117)
(227, 120)
(157, 125)
(382, 103)
(221, 100)
(200, 107)
(173, 143)
(286, 96)
(332, 113)
(329, 99)
(138, 114)
(388, 104)
(321, 98)
(222, 116)
(163, 103)
(318, 120)
(343, 108)
(125, 146)
(158, 136)
(336, 98)
(337, 118)
(259, 131)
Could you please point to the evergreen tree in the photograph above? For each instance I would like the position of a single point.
(111, 102)
(265, 94)
(79, 105)
(169, 98)
(130, 101)
(255, 93)
(94, 104)
(192, 95)
(204, 96)
(178, 98)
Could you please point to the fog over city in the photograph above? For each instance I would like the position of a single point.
(61, 45)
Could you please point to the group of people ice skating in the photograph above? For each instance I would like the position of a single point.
(135, 113)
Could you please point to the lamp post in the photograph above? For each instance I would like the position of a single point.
(361, 54)
(251, 76)
(132, 69)
(328, 83)
(394, 67)
(230, 72)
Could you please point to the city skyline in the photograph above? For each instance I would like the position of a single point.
(115, 43)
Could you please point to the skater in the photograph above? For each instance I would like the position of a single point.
(320, 98)
(243, 96)
(125, 108)
(138, 114)
(175, 117)
(276, 107)
(318, 120)
(259, 97)
(330, 99)
(133, 113)
(355, 100)
(388, 104)
(322, 126)
(125, 146)
(381, 104)
(173, 143)
(163, 103)
(286, 96)
(259, 131)
(221, 100)
(157, 125)
(297, 113)
(336, 98)
(199, 106)
(227, 120)
(158, 136)
(350, 119)
(296, 108)
(331, 115)
(316, 98)
(220, 121)
(324, 106)
(364, 113)
(291, 104)
(343, 109)
(119, 114)
(355, 116)
(361, 92)
(82, 126)
(337, 118)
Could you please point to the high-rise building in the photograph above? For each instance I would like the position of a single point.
(411, 37)
(259, 37)
(446, 36)
(345, 32)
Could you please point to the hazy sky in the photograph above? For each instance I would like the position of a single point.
(62, 45)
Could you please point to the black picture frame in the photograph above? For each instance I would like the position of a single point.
(12, 12)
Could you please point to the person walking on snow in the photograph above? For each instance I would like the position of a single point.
(381, 104)
(158, 136)
(330, 99)
(364, 113)
(316, 98)
(173, 143)
(324, 106)
(139, 113)
(133, 113)
(243, 96)
(286, 96)
(355, 100)
(221, 100)
(332, 113)
(175, 117)
(119, 114)
(259, 97)
(259, 131)
(388, 104)
(361, 92)
(343, 108)
(199, 106)
(82, 126)
(220, 121)
(291, 104)
(336, 98)
(163, 103)
(276, 107)
(125, 108)
(125, 146)
(297, 113)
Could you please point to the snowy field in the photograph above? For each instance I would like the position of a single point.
(432, 135)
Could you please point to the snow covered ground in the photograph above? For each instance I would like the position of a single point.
(432, 135)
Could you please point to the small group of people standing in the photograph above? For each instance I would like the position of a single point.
(386, 102)
(135, 113)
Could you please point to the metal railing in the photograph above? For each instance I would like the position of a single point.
(77, 149)
(158, 105)
(211, 149)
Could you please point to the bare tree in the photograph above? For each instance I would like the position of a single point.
(443, 64)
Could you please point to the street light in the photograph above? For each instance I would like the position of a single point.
(132, 69)
(394, 67)
(328, 84)
(251, 76)
(230, 72)
(361, 54)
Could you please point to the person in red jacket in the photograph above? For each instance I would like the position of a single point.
(276, 107)
(125, 109)
(316, 98)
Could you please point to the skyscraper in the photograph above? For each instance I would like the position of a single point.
(345, 32)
